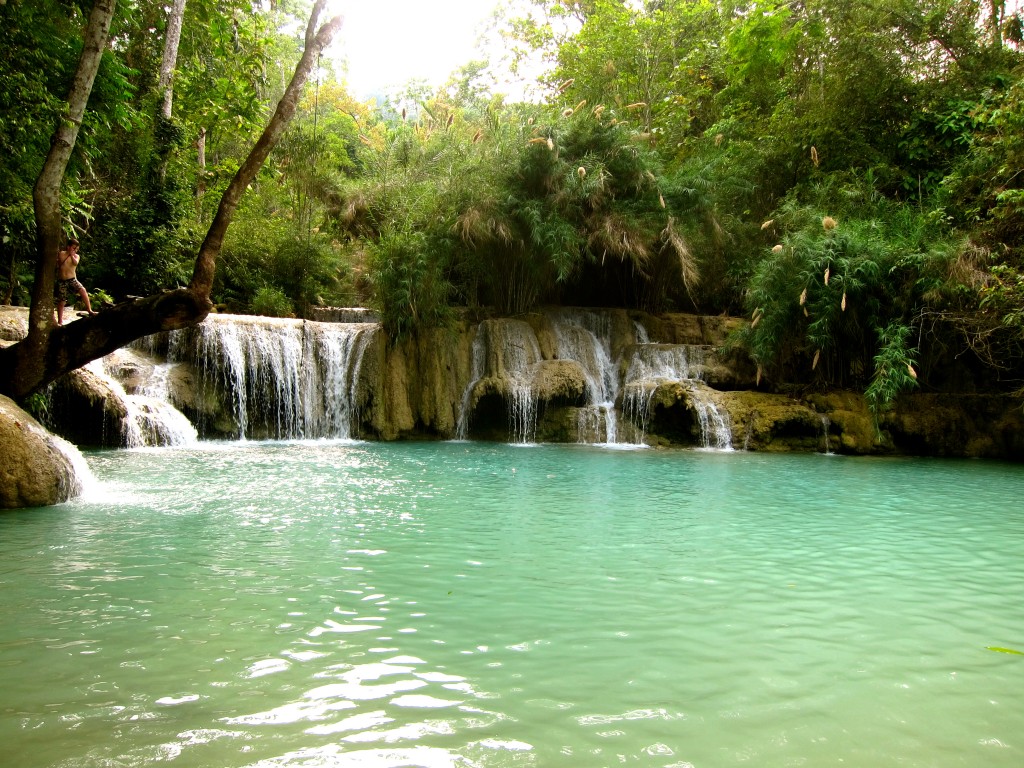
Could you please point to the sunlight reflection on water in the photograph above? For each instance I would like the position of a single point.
(347, 604)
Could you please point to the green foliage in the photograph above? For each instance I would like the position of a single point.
(38, 405)
(271, 302)
(478, 213)
(41, 44)
(996, 331)
(99, 297)
(145, 240)
(582, 213)
(664, 57)
(986, 189)
(850, 270)
(38, 41)
(760, 46)
(267, 247)
(408, 274)
(894, 368)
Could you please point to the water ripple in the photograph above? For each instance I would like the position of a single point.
(423, 605)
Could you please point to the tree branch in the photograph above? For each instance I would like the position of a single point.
(206, 262)
(49, 351)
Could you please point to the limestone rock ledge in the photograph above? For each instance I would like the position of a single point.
(468, 380)
(35, 470)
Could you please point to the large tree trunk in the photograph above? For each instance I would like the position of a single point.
(46, 199)
(49, 351)
(201, 166)
(996, 13)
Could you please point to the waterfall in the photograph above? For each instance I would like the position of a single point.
(81, 482)
(715, 431)
(523, 413)
(477, 373)
(653, 365)
(664, 362)
(826, 424)
(513, 354)
(284, 379)
(150, 419)
(650, 366)
(586, 337)
(330, 390)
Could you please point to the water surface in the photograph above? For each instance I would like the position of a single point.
(461, 604)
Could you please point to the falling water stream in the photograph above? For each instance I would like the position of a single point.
(299, 379)
(585, 337)
(287, 379)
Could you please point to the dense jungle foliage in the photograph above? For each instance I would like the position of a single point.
(848, 174)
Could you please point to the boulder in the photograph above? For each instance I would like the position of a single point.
(13, 324)
(87, 410)
(36, 469)
(560, 382)
(776, 423)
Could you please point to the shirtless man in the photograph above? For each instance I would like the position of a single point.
(67, 263)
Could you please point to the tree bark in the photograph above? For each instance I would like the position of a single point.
(316, 41)
(995, 22)
(49, 351)
(201, 177)
(46, 200)
(170, 58)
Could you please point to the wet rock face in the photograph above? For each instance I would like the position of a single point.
(34, 471)
(970, 426)
(559, 375)
(86, 410)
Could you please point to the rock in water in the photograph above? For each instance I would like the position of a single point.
(35, 469)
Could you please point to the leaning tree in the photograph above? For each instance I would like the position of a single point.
(48, 351)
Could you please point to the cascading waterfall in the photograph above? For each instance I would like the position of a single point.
(83, 482)
(256, 362)
(585, 337)
(512, 356)
(334, 359)
(150, 419)
(285, 379)
(655, 364)
(268, 378)
(172, 425)
(650, 366)
(520, 357)
(523, 413)
(714, 429)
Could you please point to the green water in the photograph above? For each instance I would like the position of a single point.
(463, 604)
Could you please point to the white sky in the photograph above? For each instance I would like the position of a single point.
(389, 42)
